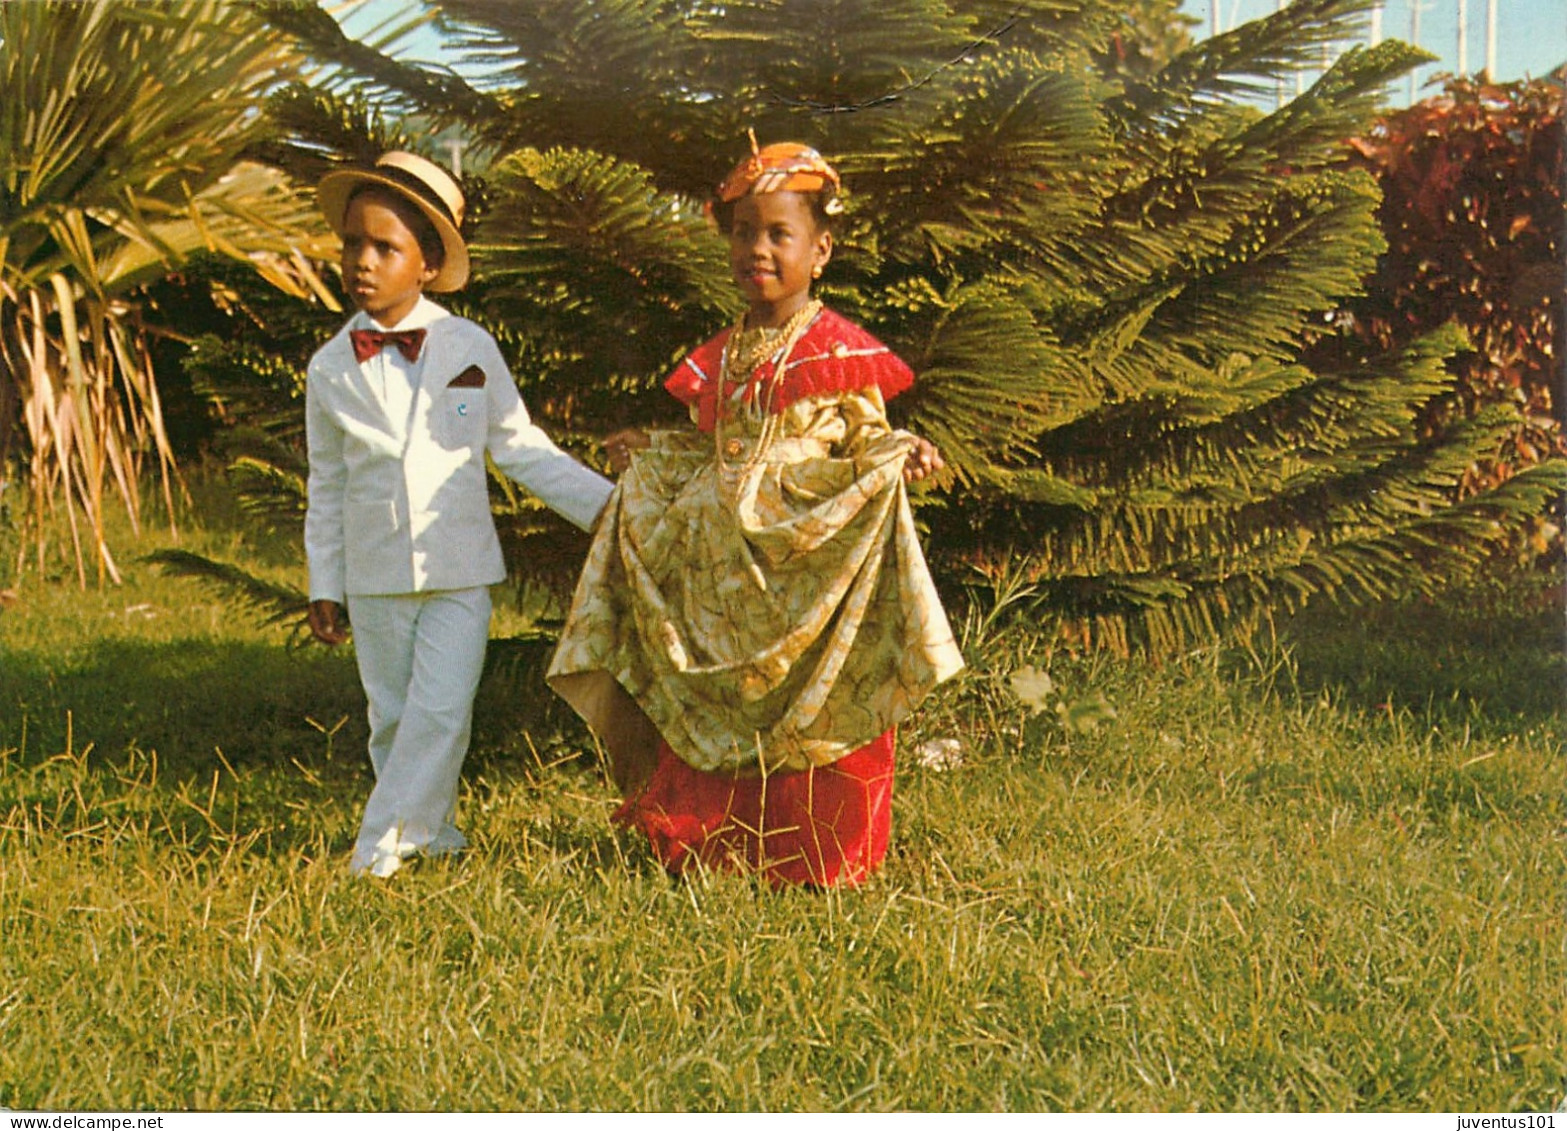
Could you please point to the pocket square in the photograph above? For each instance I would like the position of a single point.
(470, 378)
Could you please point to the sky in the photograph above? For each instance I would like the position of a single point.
(1531, 35)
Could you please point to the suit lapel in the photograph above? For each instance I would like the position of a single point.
(437, 371)
(366, 403)
(360, 407)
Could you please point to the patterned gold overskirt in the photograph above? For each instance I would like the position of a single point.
(765, 610)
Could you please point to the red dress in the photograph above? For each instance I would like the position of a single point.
(822, 826)
(755, 615)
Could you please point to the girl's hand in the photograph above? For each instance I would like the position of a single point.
(924, 460)
(620, 445)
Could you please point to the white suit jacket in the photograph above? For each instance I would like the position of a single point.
(398, 494)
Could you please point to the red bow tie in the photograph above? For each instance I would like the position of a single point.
(368, 343)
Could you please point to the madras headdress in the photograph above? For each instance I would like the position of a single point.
(784, 166)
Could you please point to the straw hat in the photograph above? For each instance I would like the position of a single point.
(425, 185)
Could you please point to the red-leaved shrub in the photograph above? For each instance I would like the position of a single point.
(1472, 211)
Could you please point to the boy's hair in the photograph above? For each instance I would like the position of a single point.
(430, 244)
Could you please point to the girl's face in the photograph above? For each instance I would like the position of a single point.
(775, 247)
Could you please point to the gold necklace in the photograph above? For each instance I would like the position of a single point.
(743, 357)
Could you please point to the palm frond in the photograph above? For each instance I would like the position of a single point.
(124, 138)
(276, 602)
(439, 91)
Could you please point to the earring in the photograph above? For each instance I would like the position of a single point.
(816, 272)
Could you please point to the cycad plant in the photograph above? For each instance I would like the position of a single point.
(124, 136)
(1103, 274)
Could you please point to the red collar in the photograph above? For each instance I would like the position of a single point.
(832, 356)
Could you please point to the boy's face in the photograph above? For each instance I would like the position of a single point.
(774, 246)
(383, 268)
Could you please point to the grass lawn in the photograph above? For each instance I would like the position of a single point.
(1325, 870)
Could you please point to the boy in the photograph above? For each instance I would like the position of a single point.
(401, 407)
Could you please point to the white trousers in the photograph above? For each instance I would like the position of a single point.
(420, 656)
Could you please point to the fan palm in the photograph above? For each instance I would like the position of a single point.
(124, 136)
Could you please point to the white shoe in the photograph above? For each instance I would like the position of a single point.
(382, 858)
(386, 855)
(384, 865)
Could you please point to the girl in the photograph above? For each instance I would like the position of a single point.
(755, 614)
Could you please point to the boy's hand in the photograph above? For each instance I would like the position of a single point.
(620, 446)
(327, 622)
(923, 460)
